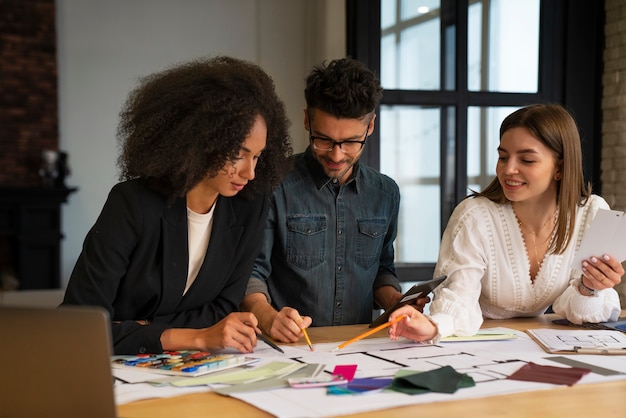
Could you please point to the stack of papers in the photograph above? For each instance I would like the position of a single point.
(583, 341)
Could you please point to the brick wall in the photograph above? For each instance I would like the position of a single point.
(614, 112)
(28, 88)
(614, 106)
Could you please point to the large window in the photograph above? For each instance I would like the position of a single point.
(451, 71)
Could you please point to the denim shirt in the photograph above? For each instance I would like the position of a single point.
(328, 247)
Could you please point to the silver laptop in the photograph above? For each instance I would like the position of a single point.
(56, 363)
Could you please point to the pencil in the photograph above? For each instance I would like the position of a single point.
(370, 332)
(308, 340)
(268, 342)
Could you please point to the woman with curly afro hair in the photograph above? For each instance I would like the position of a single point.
(202, 146)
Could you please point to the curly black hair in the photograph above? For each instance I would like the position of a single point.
(183, 124)
(344, 88)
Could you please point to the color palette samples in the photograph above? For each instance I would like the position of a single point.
(182, 363)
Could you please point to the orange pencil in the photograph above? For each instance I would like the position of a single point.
(370, 332)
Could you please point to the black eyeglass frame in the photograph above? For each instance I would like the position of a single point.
(339, 143)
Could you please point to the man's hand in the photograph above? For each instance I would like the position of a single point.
(287, 325)
(284, 326)
(388, 296)
(420, 303)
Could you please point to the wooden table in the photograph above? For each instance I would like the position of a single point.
(589, 400)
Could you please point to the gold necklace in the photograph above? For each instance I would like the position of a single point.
(534, 237)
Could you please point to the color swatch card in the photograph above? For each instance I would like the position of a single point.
(189, 363)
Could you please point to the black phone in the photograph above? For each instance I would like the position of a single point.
(416, 291)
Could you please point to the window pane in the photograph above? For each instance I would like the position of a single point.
(410, 154)
(483, 138)
(410, 44)
(416, 8)
(503, 46)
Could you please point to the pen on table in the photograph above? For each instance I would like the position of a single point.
(370, 332)
(600, 350)
(265, 339)
(308, 340)
(268, 342)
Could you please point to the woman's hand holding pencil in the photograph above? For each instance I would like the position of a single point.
(404, 322)
(417, 326)
(370, 332)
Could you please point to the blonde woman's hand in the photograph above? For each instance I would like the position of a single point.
(602, 272)
(416, 326)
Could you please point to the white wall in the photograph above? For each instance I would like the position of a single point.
(105, 46)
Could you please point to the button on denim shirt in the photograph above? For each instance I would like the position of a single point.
(327, 247)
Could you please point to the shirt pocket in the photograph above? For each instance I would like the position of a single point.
(306, 240)
(370, 241)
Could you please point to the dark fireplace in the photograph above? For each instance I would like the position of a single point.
(30, 237)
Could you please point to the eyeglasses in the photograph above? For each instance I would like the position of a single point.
(327, 144)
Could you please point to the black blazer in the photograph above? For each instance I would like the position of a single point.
(135, 259)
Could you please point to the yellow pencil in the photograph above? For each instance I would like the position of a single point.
(308, 340)
(370, 332)
(306, 334)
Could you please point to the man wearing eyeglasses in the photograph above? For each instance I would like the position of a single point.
(327, 256)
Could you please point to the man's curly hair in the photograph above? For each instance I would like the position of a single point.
(183, 124)
(344, 88)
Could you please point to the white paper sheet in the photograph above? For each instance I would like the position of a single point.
(487, 362)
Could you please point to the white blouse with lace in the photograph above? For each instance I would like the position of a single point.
(483, 254)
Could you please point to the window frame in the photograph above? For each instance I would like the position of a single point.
(571, 48)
